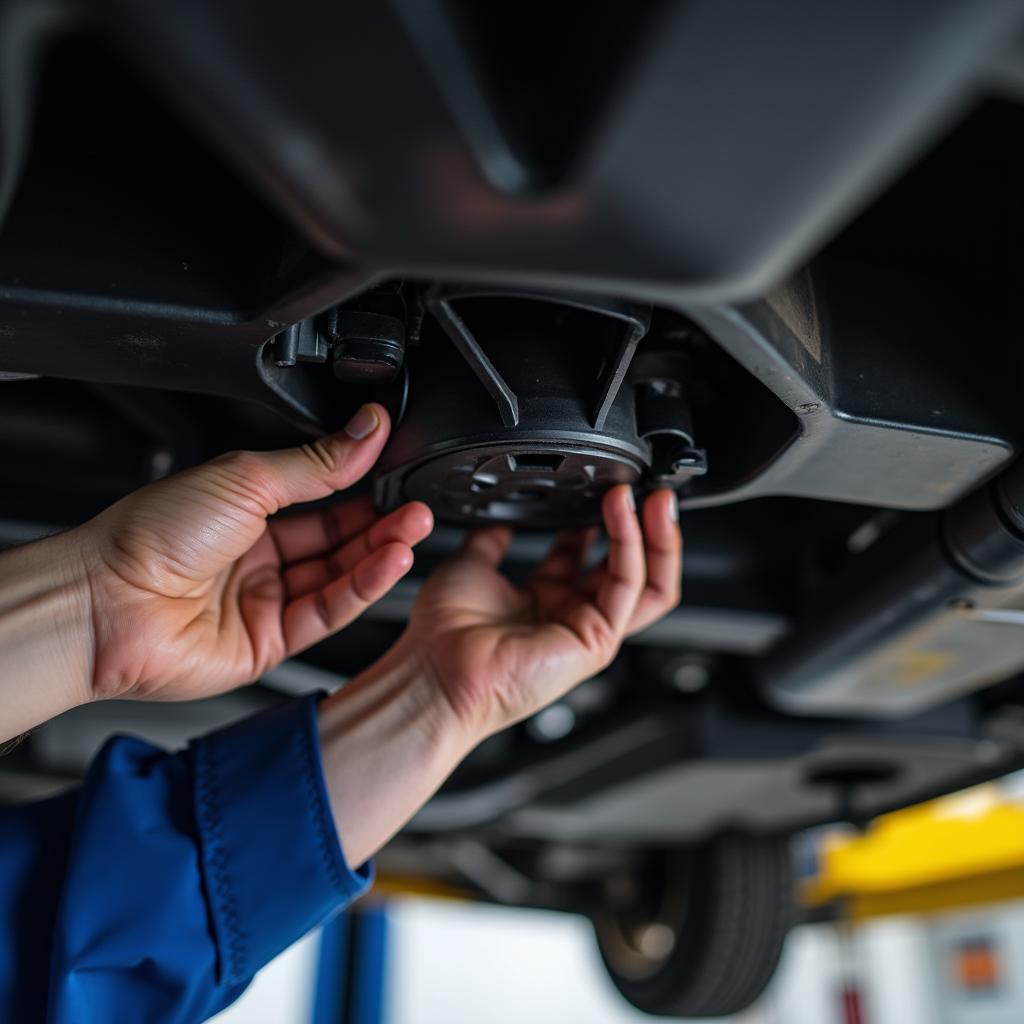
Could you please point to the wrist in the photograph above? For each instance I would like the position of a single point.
(401, 687)
(47, 646)
(388, 741)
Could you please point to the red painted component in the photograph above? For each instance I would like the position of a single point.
(852, 1006)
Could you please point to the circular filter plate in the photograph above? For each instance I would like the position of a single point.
(549, 487)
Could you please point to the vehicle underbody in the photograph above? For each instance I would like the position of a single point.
(770, 259)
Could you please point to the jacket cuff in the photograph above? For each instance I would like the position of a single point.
(271, 857)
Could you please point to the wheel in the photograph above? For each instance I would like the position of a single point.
(706, 938)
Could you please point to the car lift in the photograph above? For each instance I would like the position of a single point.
(960, 850)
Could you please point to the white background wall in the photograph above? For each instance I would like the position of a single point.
(283, 992)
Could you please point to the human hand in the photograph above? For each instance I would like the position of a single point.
(499, 652)
(193, 591)
(479, 654)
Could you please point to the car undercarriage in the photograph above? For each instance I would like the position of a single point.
(766, 255)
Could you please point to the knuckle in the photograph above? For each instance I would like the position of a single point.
(239, 463)
(604, 641)
(361, 591)
(321, 609)
(322, 456)
(247, 469)
(246, 479)
(271, 654)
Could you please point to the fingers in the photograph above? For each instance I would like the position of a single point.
(565, 561)
(623, 579)
(260, 597)
(324, 594)
(489, 545)
(312, 471)
(663, 548)
(316, 615)
(407, 525)
(316, 533)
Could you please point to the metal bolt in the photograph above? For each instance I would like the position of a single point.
(808, 407)
(688, 460)
(286, 347)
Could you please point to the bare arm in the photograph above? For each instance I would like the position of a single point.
(45, 633)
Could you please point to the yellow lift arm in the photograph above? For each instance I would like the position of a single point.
(957, 851)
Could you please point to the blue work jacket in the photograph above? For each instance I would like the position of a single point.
(154, 893)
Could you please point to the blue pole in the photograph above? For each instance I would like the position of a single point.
(367, 992)
(352, 970)
(332, 972)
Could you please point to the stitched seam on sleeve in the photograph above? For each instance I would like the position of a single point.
(211, 803)
(325, 832)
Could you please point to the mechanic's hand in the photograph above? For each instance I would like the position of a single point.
(193, 591)
(501, 652)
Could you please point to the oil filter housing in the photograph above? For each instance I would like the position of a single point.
(552, 407)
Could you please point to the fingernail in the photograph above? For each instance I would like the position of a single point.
(631, 498)
(363, 424)
(673, 508)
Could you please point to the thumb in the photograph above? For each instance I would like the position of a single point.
(318, 469)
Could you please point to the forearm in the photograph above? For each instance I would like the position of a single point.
(388, 741)
(46, 633)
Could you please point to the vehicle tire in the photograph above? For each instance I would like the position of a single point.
(709, 938)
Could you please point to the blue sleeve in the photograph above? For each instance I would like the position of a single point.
(158, 889)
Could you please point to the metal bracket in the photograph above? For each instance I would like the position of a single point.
(635, 317)
(462, 337)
